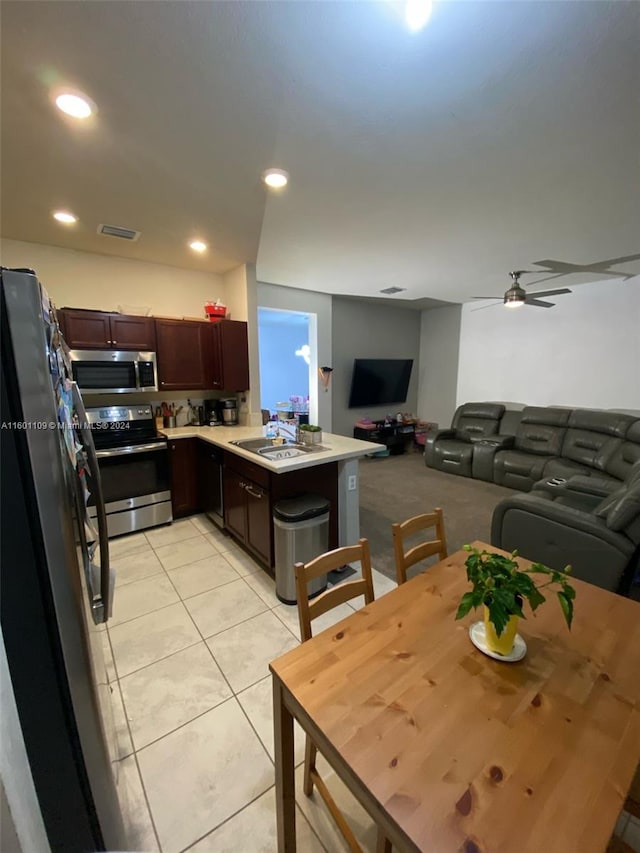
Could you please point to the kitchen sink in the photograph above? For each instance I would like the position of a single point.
(276, 452)
(254, 444)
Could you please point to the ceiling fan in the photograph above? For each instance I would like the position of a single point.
(517, 295)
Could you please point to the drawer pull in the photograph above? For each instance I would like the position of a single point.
(253, 493)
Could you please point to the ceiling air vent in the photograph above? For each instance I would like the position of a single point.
(393, 290)
(117, 231)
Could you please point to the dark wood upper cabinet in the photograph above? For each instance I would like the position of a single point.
(191, 355)
(230, 364)
(136, 333)
(101, 330)
(184, 354)
(86, 329)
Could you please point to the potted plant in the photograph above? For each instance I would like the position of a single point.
(310, 434)
(501, 586)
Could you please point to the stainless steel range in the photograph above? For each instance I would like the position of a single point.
(134, 468)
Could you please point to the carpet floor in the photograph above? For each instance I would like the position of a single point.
(394, 488)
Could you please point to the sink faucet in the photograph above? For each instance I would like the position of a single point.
(288, 431)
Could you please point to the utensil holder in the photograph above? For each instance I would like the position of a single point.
(170, 422)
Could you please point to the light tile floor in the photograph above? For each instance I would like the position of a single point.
(195, 623)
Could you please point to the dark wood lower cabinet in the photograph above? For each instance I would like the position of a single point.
(258, 522)
(235, 505)
(183, 462)
(247, 507)
(250, 491)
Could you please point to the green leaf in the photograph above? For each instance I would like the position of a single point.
(536, 598)
(567, 607)
(466, 603)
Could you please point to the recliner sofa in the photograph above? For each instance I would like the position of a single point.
(587, 522)
(543, 442)
(452, 449)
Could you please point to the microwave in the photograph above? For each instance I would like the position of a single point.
(114, 371)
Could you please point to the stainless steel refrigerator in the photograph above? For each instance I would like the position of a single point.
(56, 582)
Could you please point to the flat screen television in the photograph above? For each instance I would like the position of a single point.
(379, 381)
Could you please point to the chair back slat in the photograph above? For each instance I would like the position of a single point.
(339, 594)
(403, 530)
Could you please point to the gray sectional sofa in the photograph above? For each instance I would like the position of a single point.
(582, 467)
(489, 442)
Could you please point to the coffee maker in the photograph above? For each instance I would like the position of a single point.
(229, 411)
(213, 412)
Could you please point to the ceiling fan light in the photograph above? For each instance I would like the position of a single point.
(276, 179)
(514, 297)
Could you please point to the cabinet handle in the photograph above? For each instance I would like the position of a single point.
(252, 493)
(114, 342)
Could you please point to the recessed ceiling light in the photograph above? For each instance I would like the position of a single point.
(275, 178)
(65, 217)
(198, 246)
(77, 106)
(417, 14)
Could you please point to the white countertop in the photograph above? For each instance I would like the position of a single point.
(335, 447)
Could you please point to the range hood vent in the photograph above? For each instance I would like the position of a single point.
(118, 231)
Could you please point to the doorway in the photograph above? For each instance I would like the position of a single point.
(288, 361)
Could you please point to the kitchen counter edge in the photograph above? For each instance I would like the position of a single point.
(339, 447)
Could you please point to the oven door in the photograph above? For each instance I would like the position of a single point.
(135, 485)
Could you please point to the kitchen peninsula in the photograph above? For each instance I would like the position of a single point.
(207, 458)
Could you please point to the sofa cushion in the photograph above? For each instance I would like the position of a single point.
(621, 510)
(518, 470)
(475, 420)
(608, 423)
(626, 455)
(546, 415)
(510, 422)
(558, 467)
(592, 449)
(539, 439)
(453, 456)
(542, 430)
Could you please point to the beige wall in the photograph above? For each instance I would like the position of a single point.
(87, 280)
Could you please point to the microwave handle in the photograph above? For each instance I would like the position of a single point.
(102, 606)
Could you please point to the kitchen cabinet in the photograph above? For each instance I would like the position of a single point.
(247, 507)
(101, 330)
(230, 350)
(210, 480)
(183, 466)
(185, 355)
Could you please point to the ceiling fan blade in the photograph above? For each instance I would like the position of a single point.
(486, 297)
(539, 303)
(484, 307)
(549, 292)
(546, 278)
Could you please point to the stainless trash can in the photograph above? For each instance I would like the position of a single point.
(301, 532)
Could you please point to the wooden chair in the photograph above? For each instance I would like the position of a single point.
(631, 805)
(409, 557)
(307, 612)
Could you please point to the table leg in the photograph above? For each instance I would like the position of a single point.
(285, 767)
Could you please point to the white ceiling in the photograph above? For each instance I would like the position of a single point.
(503, 134)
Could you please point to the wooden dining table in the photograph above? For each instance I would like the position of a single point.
(450, 750)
